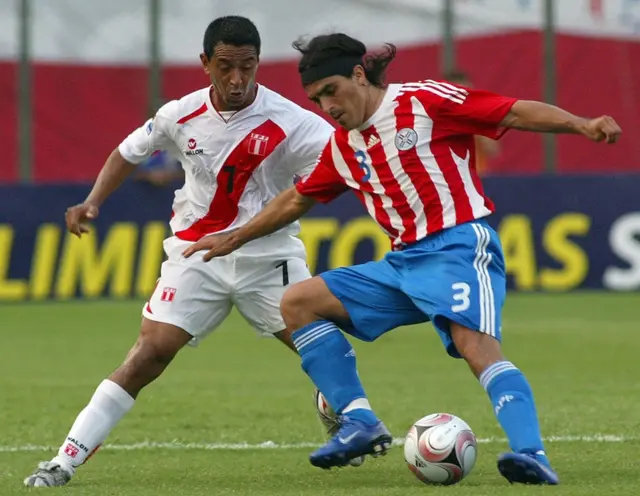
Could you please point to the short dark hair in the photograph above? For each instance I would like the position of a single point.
(231, 30)
(321, 48)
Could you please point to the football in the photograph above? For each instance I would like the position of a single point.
(325, 412)
(440, 449)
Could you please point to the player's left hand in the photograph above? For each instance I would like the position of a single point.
(218, 245)
(603, 128)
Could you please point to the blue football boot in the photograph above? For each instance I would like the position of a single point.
(526, 468)
(354, 439)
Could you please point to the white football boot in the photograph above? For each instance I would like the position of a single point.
(49, 474)
(331, 422)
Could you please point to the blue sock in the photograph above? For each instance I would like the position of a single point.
(514, 407)
(330, 361)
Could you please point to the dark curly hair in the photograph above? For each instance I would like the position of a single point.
(325, 47)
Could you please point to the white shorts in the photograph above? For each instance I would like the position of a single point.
(197, 296)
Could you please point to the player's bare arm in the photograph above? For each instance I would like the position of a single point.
(284, 209)
(527, 115)
(116, 169)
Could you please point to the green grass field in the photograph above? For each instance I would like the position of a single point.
(579, 352)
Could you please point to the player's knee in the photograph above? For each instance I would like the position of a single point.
(159, 342)
(154, 349)
(479, 350)
(308, 301)
(296, 306)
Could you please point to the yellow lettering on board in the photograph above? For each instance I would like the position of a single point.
(343, 249)
(557, 243)
(83, 264)
(10, 289)
(43, 263)
(312, 233)
(516, 236)
(151, 256)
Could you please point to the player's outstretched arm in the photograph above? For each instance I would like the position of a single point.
(115, 170)
(284, 209)
(113, 173)
(527, 115)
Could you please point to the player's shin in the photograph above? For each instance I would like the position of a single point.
(514, 407)
(108, 405)
(330, 361)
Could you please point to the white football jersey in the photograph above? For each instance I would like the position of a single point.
(233, 167)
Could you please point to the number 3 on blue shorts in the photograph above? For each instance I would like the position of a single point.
(461, 291)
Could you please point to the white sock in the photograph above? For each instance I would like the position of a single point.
(92, 426)
(357, 404)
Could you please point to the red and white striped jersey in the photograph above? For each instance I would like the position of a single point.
(234, 164)
(412, 163)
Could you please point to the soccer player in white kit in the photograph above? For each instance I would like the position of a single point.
(240, 145)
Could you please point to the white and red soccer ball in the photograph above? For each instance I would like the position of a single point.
(440, 449)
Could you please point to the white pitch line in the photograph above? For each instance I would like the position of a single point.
(399, 441)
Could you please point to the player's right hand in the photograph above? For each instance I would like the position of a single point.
(217, 245)
(602, 128)
(77, 216)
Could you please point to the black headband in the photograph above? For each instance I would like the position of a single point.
(342, 66)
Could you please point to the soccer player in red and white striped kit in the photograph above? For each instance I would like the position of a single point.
(407, 151)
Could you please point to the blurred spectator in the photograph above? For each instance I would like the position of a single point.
(161, 168)
(486, 148)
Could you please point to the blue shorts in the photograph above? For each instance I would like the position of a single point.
(455, 275)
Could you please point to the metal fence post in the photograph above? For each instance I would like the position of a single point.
(25, 94)
(448, 59)
(549, 74)
(155, 62)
